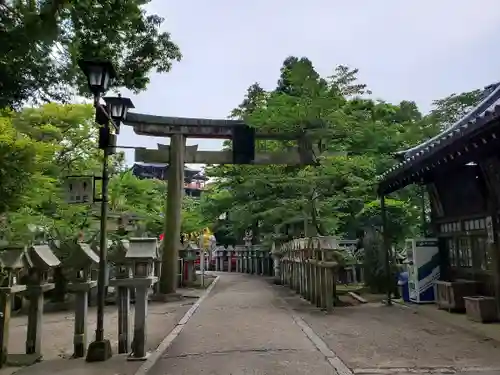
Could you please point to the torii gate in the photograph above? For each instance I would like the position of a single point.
(176, 154)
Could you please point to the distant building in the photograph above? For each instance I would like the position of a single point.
(194, 180)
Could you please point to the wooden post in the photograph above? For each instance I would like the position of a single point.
(491, 179)
(171, 240)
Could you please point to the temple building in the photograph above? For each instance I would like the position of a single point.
(194, 180)
(460, 171)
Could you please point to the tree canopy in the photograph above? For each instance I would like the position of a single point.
(42, 41)
(347, 138)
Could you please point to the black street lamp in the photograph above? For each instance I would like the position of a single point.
(118, 107)
(99, 76)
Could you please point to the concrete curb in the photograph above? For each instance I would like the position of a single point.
(169, 339)
(339, 366)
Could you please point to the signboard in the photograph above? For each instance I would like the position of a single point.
(79, 189)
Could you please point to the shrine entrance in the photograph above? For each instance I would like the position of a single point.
(177, 154)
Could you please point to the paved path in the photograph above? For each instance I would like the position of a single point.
(242, 328)
(245, 327)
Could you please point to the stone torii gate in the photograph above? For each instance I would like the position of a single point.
(177, 153)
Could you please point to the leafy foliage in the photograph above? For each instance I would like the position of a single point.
(39, 147)
(345, 139)
(41, 42)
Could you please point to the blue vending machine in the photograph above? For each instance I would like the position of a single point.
(422, 256)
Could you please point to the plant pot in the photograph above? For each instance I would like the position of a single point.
(481, 309)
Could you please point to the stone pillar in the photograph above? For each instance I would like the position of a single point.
(244, 261)
(229, 261)
(35, 315)
(81, 291)
(92, 297)
(355, 274)
(123, 302)
(168, 281)
(140, 319)
(276, 268)
(217, 261)
(6, 294)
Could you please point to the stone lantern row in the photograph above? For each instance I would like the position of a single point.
(252, 259)
(134, 262)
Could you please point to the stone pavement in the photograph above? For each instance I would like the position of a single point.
(245, 327)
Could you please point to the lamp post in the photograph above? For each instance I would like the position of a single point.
(99, 76)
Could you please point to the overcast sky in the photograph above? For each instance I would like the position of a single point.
(417, 50)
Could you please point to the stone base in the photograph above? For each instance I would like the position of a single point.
(170, 297)
(21, 360)
(99, 351)
(137, 359)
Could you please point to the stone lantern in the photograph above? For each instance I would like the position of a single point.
(80, 263)
(118, 258)
(13, 259)
(41, 261)
(190, 251)
(77, 268)
(142, 253)
(122, 281)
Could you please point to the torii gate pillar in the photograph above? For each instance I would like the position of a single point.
(172, 231)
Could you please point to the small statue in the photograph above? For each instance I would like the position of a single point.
(248, 237)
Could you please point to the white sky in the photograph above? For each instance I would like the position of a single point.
(405, 50)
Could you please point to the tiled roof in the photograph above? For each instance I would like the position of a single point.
(485, 112)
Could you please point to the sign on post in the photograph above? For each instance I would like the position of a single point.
(79, 189)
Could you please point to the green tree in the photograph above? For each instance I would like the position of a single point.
(41, 42)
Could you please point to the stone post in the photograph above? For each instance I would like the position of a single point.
(217, 260)
(276, 264)
(229, 260)
(6, 294)
(140, 320)
(123, 301)
(330, 274)
(255, 259)
(168, 281)
(35, 316)
(81, 291)
(244, 260)
(5, 309)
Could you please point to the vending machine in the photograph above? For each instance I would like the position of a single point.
(422, 257)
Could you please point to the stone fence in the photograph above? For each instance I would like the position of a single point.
(306, 265)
